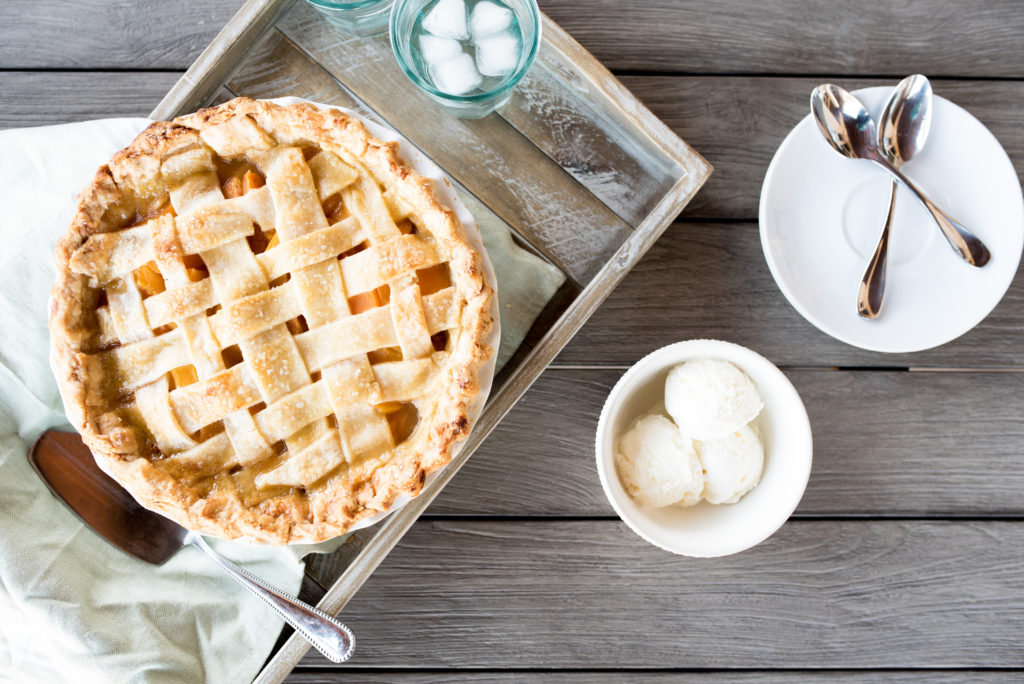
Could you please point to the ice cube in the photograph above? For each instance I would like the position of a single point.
(456, 76)
(436, 50)
(497, 55)
(448, 20)
(488, 18)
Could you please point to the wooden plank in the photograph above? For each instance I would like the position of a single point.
(208, 73)
(711, 281)
(876, 452)
(368, 676)
(104, 34)
(591, 594)
(43, 98)
(738, 122)
(885, 443)
(943, 37)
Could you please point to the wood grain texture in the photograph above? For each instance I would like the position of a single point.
(885, 443)
(892, 37)
(44, 98)
(564, 105)
(941, 37)
(738, 122)
(594, 595)
(368, 676)
(105, 34)
(710, 280)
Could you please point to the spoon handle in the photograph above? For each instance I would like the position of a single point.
(963, 241)
(872, 285)
(327, 635)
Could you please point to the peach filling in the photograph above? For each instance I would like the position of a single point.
(402, 418)
(239, 178)
(433, 279)
(150, 282)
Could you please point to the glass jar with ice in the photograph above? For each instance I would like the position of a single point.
(467, 54)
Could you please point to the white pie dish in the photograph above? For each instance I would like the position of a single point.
(707, 530)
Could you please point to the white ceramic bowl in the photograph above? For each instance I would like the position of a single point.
(705, 529)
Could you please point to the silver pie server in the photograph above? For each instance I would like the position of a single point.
(66, 466)
(902, 131)
(847, 126)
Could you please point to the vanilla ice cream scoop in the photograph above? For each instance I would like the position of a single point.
(732, 465)
(708, 398)
(658, 465)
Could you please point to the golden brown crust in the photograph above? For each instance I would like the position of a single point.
(130, 182)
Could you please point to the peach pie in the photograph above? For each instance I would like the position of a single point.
(265, 325)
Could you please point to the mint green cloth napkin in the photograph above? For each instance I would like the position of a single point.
(73, 608)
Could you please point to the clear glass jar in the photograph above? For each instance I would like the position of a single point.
(361, 17)
(406, 27)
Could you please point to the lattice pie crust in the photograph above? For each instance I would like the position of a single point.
(264, 323)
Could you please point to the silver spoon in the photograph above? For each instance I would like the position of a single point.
(902, 131)
(847, 125)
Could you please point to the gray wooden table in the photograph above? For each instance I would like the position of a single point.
(903, 561)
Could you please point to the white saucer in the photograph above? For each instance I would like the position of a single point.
(821, 216)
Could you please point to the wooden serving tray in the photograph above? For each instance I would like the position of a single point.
(576, 167)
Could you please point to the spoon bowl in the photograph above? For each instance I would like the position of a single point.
(906, 120)
(844, 121)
